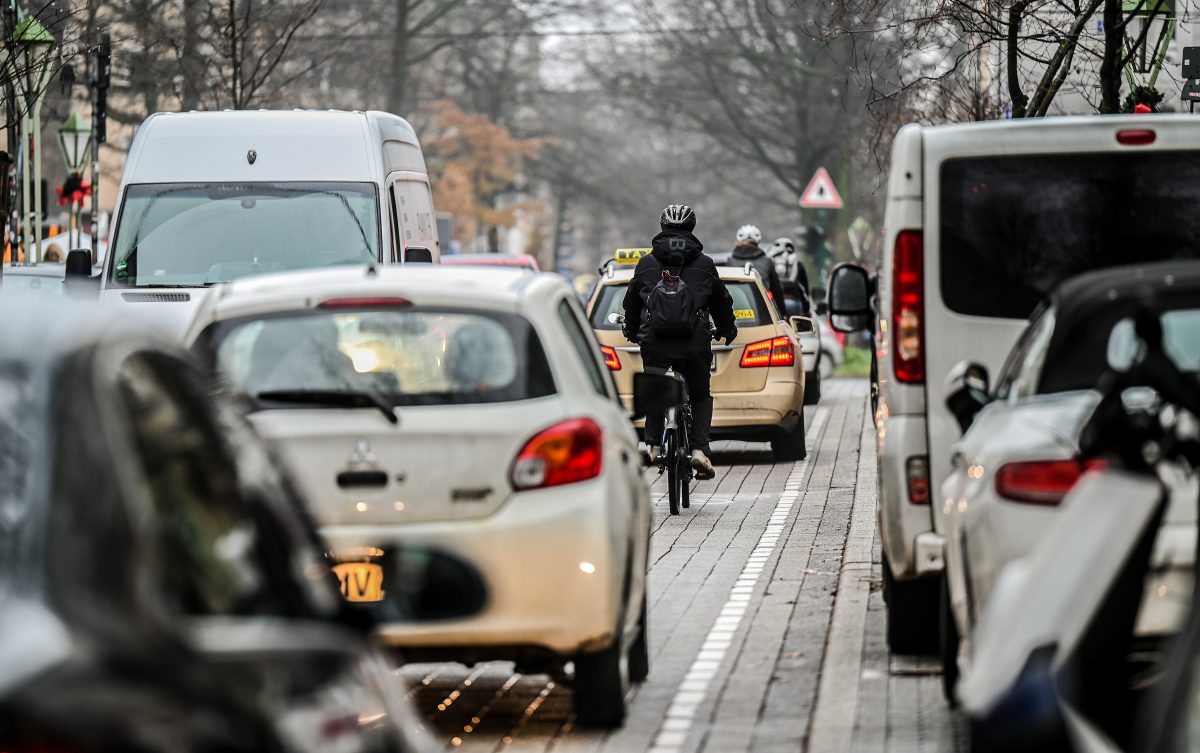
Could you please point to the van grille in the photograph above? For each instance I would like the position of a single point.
(157, 297)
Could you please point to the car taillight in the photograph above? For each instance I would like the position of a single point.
(778, 351)
(1041, 482)
(1136, 137)
(908, 306)
(372, 302)
(610, 357)
(916, 470)
(562, 454)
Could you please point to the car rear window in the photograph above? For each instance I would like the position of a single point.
(1013, 227)
(412, 356)
(749, 307)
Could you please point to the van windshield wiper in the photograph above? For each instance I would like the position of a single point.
(342, 398)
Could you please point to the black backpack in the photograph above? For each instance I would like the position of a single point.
(671, 309)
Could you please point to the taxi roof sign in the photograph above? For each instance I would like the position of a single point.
(629, 255)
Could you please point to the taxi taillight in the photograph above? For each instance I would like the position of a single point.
(611, 360)
(778, 351)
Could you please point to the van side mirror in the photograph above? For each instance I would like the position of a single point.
(78, 281)
(803, 325)
(408, 583)
(654, 390)
(418, 254)
(966, 392)
(79, 263)
(850, 299)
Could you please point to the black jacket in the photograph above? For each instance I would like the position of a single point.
(749, 252)
(678, 250)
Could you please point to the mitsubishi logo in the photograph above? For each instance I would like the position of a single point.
(362, 454)
(251, 156)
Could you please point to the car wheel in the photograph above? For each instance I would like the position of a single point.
(789, 445)
(826, 365)
(600, 684)
(812, 387)
(639, 650)
(912, 613)
(949, 647)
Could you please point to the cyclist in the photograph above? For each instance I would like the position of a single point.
(747, 250)
(673, 292)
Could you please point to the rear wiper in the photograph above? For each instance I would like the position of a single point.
(349, 398)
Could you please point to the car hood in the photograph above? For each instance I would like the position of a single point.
(167, 310)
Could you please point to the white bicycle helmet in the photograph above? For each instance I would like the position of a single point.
(749, 233)
(677, 215)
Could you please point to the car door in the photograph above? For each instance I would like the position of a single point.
(245, 593)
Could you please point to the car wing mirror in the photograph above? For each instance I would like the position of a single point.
(803, 325)
(966, 392)
(409, 584)
(78, 280)
(418, 255)
(850, 299)
(654, 391)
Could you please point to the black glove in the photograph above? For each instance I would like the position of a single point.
(728, 337)
(630, 335)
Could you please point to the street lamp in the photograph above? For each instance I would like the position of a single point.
(75, 143)
(31, 47)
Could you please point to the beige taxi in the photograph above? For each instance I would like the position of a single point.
(757, 380)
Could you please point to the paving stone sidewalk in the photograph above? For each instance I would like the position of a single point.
(766, 623)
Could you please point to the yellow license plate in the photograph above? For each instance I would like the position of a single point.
(743, 313)
(360, 581)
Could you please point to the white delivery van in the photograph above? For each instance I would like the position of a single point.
(982, 220)
(209, 197)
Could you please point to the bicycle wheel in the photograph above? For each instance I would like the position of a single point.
(685, 482)
(674, 478)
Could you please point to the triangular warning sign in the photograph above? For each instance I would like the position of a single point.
(821, 193)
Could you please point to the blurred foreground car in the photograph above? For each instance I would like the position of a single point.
(502, 261)
(45, 278)
(469, 409)
(1059, 664)
(160, 589)
(758, 380)
(1020, 457)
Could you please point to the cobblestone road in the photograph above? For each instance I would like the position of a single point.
(766, 623)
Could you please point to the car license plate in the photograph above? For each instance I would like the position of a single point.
(360, 581)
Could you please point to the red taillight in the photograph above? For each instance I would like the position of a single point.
(908, 306)
(1136, 137)
(1041, 482)
(916, 470)
(778, 351)
(562, 454)
(373, 302)
(610, 357)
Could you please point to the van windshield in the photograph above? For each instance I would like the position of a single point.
(1013, 227)
(188, 234)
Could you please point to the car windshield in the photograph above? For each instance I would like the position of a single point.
(193, 234)
(405, 357)
(1013, 227)
(749, 308)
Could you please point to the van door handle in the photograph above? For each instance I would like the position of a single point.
(356, 479)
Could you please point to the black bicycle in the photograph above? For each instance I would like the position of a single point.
(676, 457)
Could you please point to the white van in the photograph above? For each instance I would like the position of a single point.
(982, 220)
(209, 197)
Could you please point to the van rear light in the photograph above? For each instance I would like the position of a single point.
(916, 471)
(562, 454)
(1136, 136)
(611, 360)
(778, 351)
(372, 302)
(1041, 482)
(908, 306)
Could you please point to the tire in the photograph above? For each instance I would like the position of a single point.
(639, 650)
(948, 646)
(600, 688)
(912, 613)
(789, 445)
(812, 387)
(671, 453)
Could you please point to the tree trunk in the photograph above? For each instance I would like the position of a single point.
(1110, 63)
(1019, 100)
(398, 72)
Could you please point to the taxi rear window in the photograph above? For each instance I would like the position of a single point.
(749, 308)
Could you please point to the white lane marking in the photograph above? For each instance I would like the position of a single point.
(836, 707)
(673, 732)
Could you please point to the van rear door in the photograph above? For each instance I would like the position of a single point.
(1012, 209)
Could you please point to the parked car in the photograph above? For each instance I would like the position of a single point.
(208, 197)
(161, 588)
(1019, 458)
(758, 383)
(982, 221)
(518, 261)
(468, 409)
